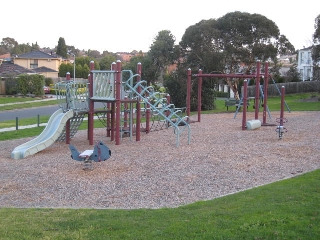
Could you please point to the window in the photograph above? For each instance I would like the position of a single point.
(33, 63)
(309, 58)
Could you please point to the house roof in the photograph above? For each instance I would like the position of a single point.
(11, 68)
(5, 56)
(43, 69)
(37, 55)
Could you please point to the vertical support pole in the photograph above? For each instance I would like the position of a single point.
(188, 92)
(168, 98)
(256, 115)
(148, 116)
(67, 76)
(138, 111)
(245, 99)
(168, 112)
(282, 106)
(110, 113)
(118, 101)
(113, 120)
(199, 95)
(68, 121)
(91, 105)
(265, 92)
(125, 112)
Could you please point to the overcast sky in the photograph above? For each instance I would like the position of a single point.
(133, 24)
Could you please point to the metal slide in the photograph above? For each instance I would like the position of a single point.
(48, 136)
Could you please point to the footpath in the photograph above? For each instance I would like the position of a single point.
(49, 98)
(31, 125)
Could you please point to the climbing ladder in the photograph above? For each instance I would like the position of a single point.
(158, 104)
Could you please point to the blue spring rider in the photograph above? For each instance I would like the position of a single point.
(100, 153)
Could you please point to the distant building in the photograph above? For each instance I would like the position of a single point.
(305, 64)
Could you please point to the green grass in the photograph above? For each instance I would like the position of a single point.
(289, 209)
(295, 102)
(28, 105)
(32, 132)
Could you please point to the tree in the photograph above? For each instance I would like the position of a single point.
(232, 44)
(106, 61)
(62, 49)
(316, 49)
(21, 48)
(293, 74)
(148, 68)
(8, 43)
(3, 50)
(93, 53)
(162, 52)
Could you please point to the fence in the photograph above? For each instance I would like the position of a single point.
(290, 87)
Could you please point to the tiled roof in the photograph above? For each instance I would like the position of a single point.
(4, 56)
(43, 69)
(11, 68)
(37, 55)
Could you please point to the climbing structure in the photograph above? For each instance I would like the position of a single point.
(124, 98)
(72, 95)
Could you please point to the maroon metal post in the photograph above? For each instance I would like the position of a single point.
(265, 92)
(68, 76)
(138, 113)
(245, 99)
(257, 97)
(199, 95)
(91, 105)
(188, 92)
(118, 101)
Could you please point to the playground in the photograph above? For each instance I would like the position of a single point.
(153, 173)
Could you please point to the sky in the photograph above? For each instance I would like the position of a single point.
(129, 25)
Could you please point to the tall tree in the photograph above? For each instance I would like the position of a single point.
(316, 49)
(9, 43)
(106, 61)
(232, 44)
(148, 68)
(162, 51)
(62, 49)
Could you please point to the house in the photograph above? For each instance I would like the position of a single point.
(305, 64)
(40, 62)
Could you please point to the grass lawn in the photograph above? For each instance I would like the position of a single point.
(288, 209)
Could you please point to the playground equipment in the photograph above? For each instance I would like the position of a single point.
(48, 136)
(100, 153)
(253, 124)
(121, 95)
(63, 124)
(76, 99)
(255, 76)
(280, 128)
(259, 90)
